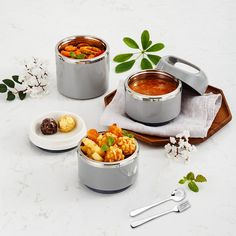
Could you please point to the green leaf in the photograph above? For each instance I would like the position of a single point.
(149, 44)
(182, 181)
(123, 57)
(80, 56)
(22, 95)
(154, 58)
(200, 178)
(145, 39)
(146, 64)
(104, 147)
(125, 133)
(190, 176)
(3, 88)
(10, 96)
(9, 83)
(130, 42)
(72, 54)
(125, 66)
(110, 141)
(156, 47)
(16, 79)
(192, 186)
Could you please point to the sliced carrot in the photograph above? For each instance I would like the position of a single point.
(65, 53)
(93, 134)
(77, 52)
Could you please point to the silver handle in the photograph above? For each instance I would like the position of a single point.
(143, 221)
(143, 209)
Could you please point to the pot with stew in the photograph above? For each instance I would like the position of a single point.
(152, 97)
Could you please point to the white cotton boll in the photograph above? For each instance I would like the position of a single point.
(181, 143)
(36, 71)
(179, 147)
(188, 145)
(178, 156)
(172, 140)
(174, 150)
(21, 79)
(167, 147)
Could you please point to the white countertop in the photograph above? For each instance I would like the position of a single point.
(40, 193)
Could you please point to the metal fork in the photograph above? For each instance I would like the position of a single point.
(178, 208)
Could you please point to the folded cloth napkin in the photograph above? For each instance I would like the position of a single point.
(197, 115)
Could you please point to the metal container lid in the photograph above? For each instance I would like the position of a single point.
(198, 81)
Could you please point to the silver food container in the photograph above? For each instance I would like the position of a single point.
(108, 177)
(82, 78)
(152, 110)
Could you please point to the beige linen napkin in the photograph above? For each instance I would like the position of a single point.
(197, 115)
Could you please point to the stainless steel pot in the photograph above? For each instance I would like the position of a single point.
(82, 78)
(152, 110)
(108, 177)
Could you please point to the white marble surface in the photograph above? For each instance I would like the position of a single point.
(39, 191)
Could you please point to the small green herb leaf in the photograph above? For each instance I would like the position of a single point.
(130, 42)
(3, 88)
(9, 83)
(146, 64)
(156, 47)
(22, 95)
(72, 54)
(145, 39)
(110, 141)
(123, 57)
(124, 66)
(80, 56)
(125, 133)
(16, 79)
(200, 178)
(104, 147)
(10, 96)
(154, 58)
(182, 181)
(190, 176)
(192, 185)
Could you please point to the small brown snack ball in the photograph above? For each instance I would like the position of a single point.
(48, 126)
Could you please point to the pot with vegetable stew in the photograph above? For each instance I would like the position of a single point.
(82, 66)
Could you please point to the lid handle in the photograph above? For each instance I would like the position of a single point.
(197, 81)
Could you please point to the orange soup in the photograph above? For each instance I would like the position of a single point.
(154, 87)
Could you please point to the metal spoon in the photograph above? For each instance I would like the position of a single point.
(177, 195)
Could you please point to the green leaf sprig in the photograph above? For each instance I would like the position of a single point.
(110, 142)
(9, 86)
(148, 59)
(191, 180)
(126, 133)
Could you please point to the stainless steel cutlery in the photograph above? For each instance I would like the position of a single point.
(178, 209)
(177, 195)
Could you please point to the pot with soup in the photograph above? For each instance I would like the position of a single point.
(152, 97)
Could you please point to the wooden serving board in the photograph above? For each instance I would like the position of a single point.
(222, 118)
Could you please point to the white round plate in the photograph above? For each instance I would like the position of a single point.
(58, 141)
